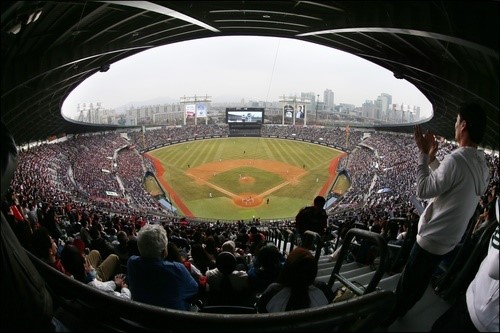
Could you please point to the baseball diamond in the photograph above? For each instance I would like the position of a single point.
(244, 178)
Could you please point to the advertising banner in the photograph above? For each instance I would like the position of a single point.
(190, 110)
(288, 110)
(201, 110)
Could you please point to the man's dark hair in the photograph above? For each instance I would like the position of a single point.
(319, 201)
(475, 117)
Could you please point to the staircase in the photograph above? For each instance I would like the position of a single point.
(419, 319)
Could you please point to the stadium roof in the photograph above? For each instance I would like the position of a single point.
(447, 49)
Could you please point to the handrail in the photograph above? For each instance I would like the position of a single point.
(279, 238)
(360, 234)
(317, 240)
(111, 313)
(290, 240)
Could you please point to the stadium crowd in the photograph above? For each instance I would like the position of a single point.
(87, 192)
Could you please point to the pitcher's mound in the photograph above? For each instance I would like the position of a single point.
(247, 200)
(247, 180)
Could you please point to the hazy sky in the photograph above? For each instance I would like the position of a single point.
(254, 68)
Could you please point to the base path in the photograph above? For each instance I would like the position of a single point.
(203, 173)
(173, 196)
(332, 173)
(291, 174)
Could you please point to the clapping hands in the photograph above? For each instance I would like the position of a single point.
(121, 280)
(426, 143)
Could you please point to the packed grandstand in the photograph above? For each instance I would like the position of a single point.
(98, 180)
(115, 181)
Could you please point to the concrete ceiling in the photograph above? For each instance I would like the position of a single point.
(447, 49)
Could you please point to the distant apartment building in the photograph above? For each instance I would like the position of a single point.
(404, 113)
(345, 108)
(368, 109)
(382, 106)
(308, 96)
(328, 100)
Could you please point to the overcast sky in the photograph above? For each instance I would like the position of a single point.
(254, 68)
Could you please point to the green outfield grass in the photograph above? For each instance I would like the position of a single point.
(206, 154)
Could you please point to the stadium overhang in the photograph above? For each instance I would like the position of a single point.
(446, 49)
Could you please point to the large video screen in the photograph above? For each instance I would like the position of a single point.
(245, 115)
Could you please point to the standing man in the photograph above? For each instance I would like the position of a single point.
(313, 218)
(477, 310)
(454, 187)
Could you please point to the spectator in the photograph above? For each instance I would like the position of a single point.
(45, 248)
(313, 218)
(85, 231)
(266, 268)
(77, 267)
(230, 246)
(100, 244)
(201, 259)
(296, 287)
(86, 268)
(211, 247)
(454, 188)
(478, 309)
(155, 280)
(484, 223)
(225, 284)
(254, 239)
(175, 255)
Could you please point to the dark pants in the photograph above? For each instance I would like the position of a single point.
(414, 280)
(456, 319)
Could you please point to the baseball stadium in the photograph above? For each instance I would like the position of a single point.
(255, 216)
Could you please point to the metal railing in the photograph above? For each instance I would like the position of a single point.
(375, 239)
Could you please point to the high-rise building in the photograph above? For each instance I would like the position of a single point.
(368, 109)
(382, 106)
(328, 100)
(309, 96)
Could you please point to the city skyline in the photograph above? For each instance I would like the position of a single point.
(231, 68)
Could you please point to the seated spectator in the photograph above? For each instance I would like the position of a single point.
(225, 284)
(401, 234)
(105, 269)
(86, 268)
(118, 286)
(76, 267)
(201, 259)
(241, 262)
(99, 243)
(296, 287)
(254, 239)
(483, 223)
(241, 240)
(266, 268)
(85, 231)
(45, 248)
(175, 255)
(155, 280)
(121, 248)
(211, 247)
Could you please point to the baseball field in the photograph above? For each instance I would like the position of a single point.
(244, 178)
